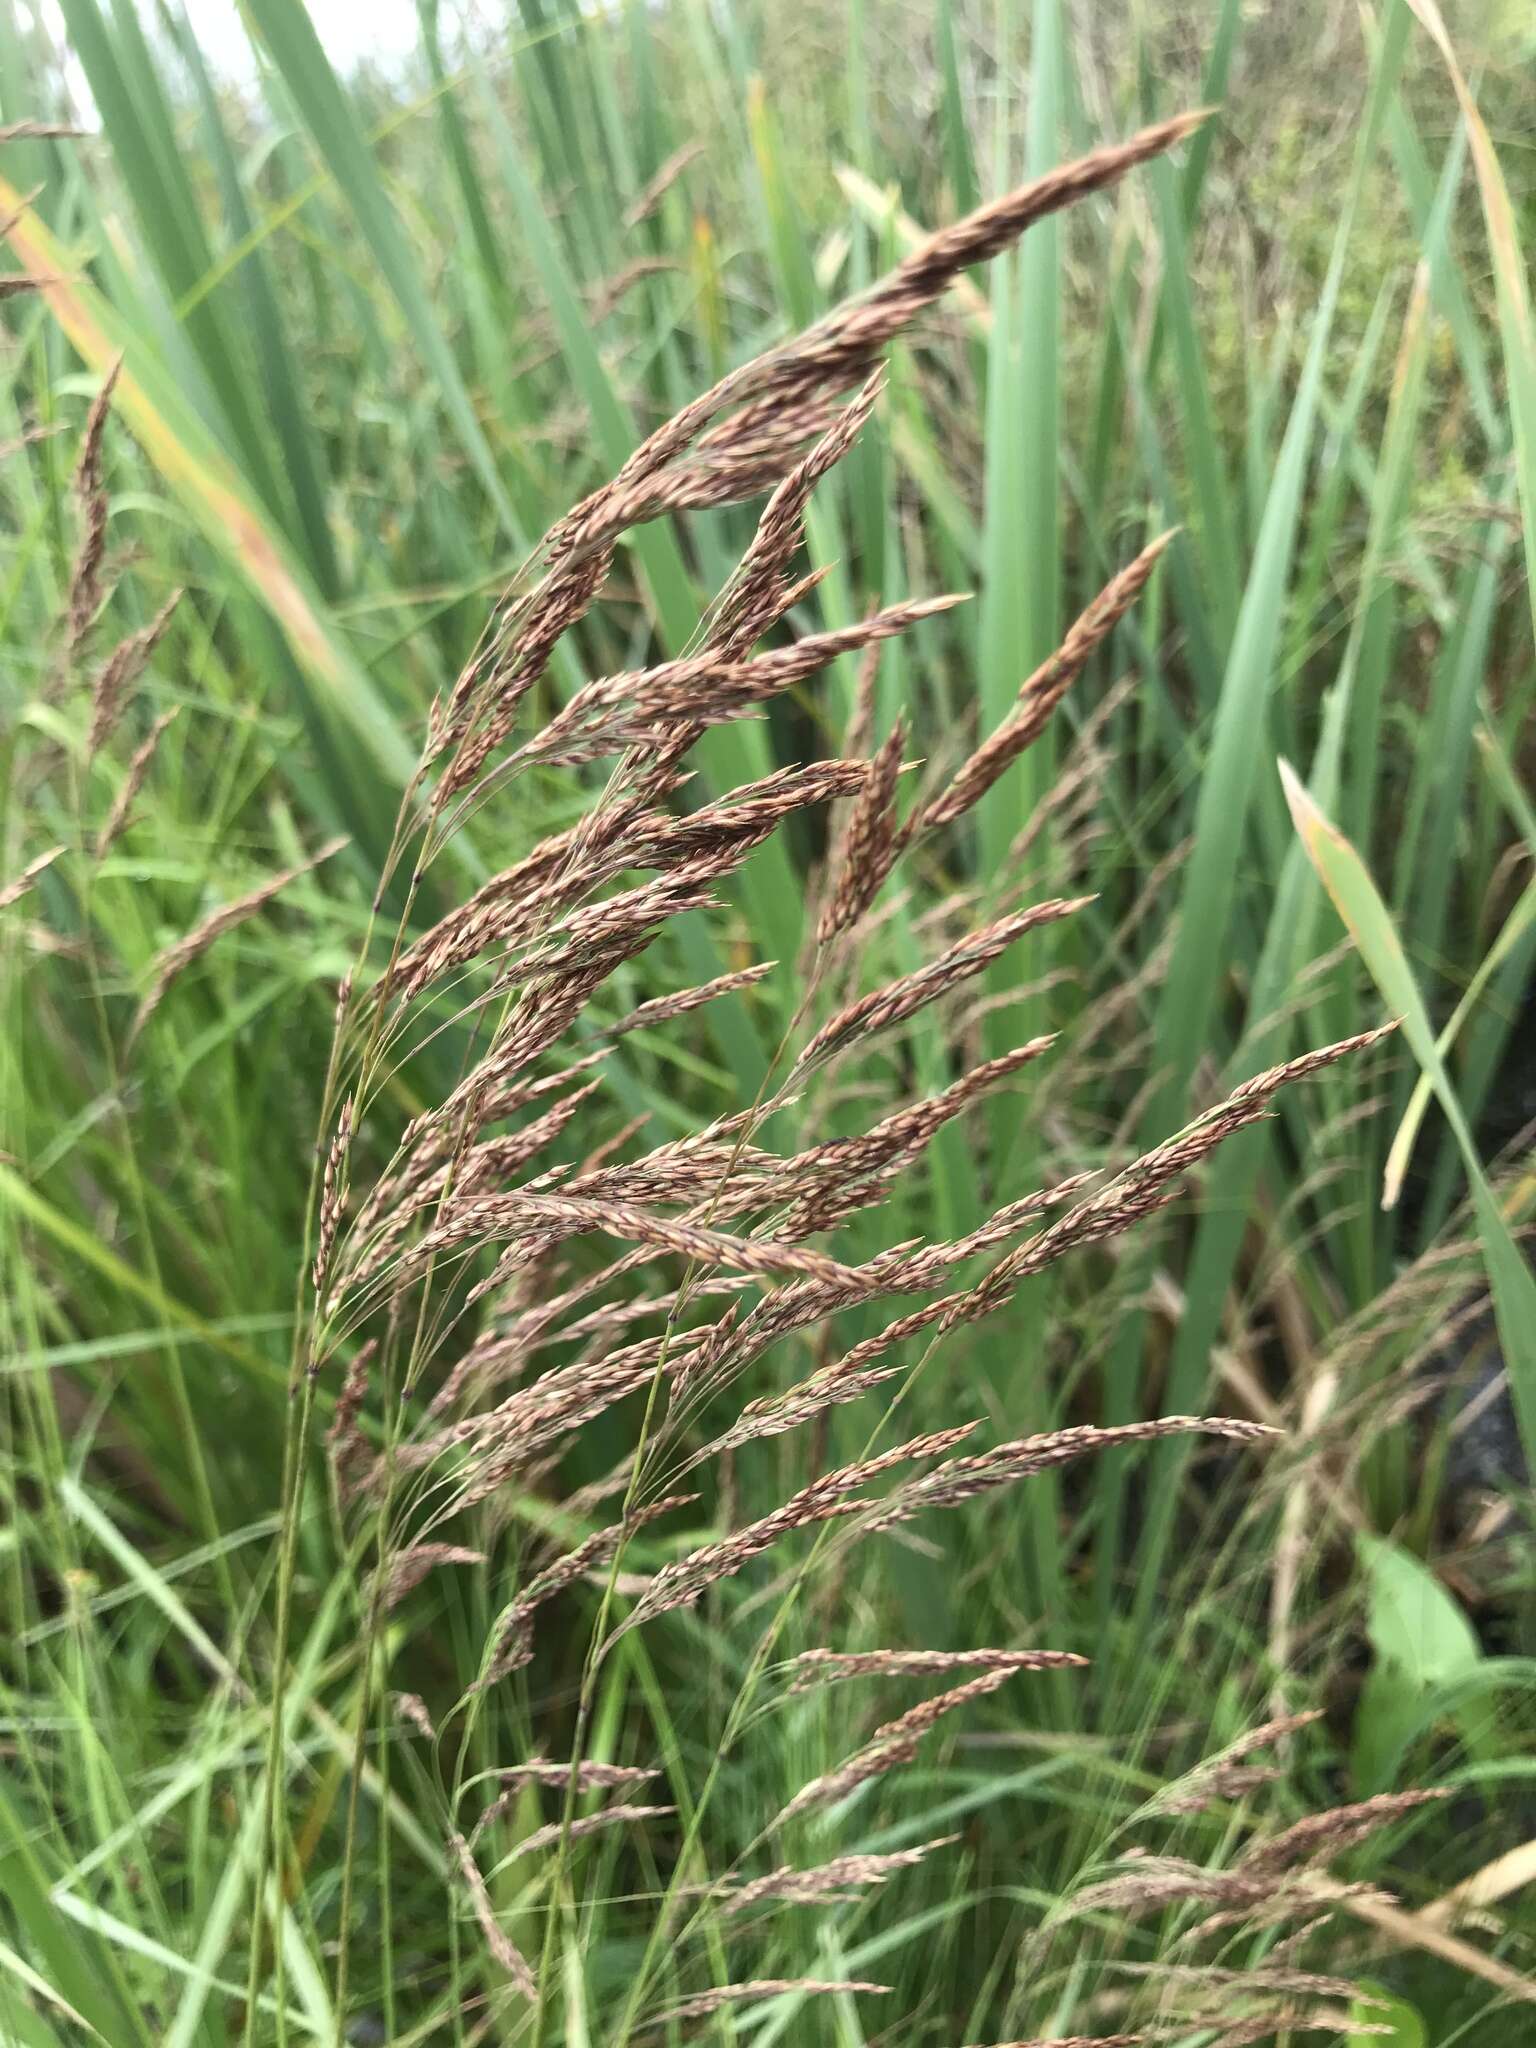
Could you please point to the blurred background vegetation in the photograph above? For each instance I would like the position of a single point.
(380, 323)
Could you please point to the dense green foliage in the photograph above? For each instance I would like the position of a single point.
(376, 336)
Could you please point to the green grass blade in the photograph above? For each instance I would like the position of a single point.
(1370, 925)
(338, 140)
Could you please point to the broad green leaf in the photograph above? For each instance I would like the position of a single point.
(1384, 2008)
(1412, 1621)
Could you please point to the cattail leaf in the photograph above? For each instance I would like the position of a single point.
(295, 49)
(1517, 328)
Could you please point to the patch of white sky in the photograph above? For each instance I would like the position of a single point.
(381, 34)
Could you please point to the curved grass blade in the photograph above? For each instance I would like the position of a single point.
(1345, 876)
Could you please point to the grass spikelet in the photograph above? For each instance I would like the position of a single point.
(961, 1479)
(175, 960)
(682, 1582)
(871, 842)
(512, 1641)
(589, 1824)
(657, 188)
(645, 706)
(332, 1196)
(951, 969)
(133, 782)
(412, 1708)
(544, 1218)
(1072, 2041)
(814, 1668)
(1040, 694)
(841, 1878)
(18, 886)
(893, 1744)
(708, 2002)
(409, 1567)
(584, 1775)
(1338, 1827)
(85, 592)
(668, 1008)
(119, 672)
(502, 1947)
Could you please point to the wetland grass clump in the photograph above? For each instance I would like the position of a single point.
(485, 1297)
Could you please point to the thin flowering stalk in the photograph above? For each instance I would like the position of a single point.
(85, 591)
(120, 671)
(814, 1668)
(177, 958)
(960, 963)
(708, 2002)
(871, 841)
(18, 886)
(132, 782)
(893, 1744)
(1040, 694)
